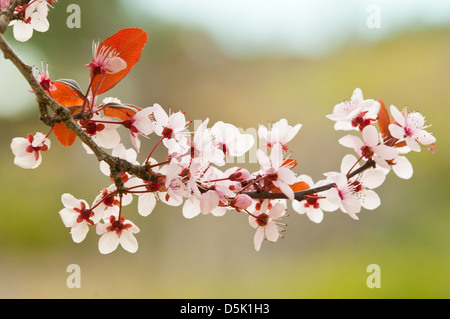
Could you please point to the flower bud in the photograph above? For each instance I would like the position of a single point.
(241, 201)
(240, 175)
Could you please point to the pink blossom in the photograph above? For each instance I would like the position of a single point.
(117, 232)
(229, 140)
(106, 60)
(314, 205)
(28, 150)
(410, 127)
(43, 78)
(103, 131)
(34, 18)
(356, 113)
(139, 124)
(241, 201)
(240, 175)
(280, 133)
(266, 222)
(363, 184)
(109, 203)
(281, 176)
(370, 146)
(342, 194)
(77, 215)
(170, 125)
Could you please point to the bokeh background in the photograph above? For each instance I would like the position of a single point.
(243, 62)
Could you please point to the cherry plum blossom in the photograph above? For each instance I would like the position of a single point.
(28, 150)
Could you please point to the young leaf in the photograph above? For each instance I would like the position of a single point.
(128, 43)
(65, 136)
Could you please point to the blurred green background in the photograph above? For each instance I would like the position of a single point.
(185, 66)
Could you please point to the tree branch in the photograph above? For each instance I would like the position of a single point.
(302, 194)
(116, 164)
(63, 115)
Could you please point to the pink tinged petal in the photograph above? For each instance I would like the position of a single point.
(115, 65)
(29, 160)
(373, 178)
(272, 232)
(299, 207)
(286, 189)
(39, 23)
(208, 201)
(191, 208)
(276, 156)
(100, 229)
(327, 206)
(315, 214)
(69, 201)
(425, 138)
(403, 167)
(277, 211)
(128, 241)
(263, 159)
(357, 96)
(398, 116)
(370, 135)
(348, 162)
(108, 242)
(292, 132)
(22, 31)
(135, 141)
(252, 222)
(344, 126)
(351, 141)
(397, 131)
(19, 146)
(332, 196)
(160, 116)
(133, 229)
(412, 144)
(351, 206)
(42, 9)
(177, 121)
(258, 239)
(386, 152)
(104, 168)
(219, 211)
(286, 175)
(79, 231)
(146, 204)
(142, 121)
(68, 216)
(108, 138)
(173, 199)
(369, 199)
(262, 132)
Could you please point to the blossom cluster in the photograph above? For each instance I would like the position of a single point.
(29, 17)
(194, 175)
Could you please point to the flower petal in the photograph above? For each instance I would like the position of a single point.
(128, 241)
(108, 242)
(79, 232)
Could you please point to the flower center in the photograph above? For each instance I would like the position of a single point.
(84, 214)
(117, 225)
(312, 200)
(262, 219)
(367, 151)
(167, 132)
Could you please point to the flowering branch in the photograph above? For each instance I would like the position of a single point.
(192, 174)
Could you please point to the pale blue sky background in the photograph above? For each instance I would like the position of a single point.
(308, 28)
